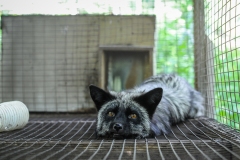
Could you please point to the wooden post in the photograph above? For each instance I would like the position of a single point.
(203, 59)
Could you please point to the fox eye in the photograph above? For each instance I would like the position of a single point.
(132, 116)
(111, 114)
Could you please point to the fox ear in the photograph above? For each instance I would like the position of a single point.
(150, 100)
(99, 96)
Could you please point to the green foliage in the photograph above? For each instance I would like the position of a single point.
(175, 42)
(175, 54)
(227, 88)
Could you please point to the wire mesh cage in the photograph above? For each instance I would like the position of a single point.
(50, 55)
(217, 60)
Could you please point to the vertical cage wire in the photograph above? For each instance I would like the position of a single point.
(222, 63)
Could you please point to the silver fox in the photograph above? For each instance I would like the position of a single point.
(147, 110)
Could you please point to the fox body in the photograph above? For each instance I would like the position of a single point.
(148, 109)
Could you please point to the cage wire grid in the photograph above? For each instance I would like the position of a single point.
(72, 137)
(55, 65)
(217, 64)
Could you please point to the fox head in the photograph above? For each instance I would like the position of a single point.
(125, 114)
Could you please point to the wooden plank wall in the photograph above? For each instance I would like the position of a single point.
(49, 61)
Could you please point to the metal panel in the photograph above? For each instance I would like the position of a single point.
(48, 62)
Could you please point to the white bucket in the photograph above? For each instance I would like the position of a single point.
(13, 115)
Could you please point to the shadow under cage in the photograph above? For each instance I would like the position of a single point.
(47, 62)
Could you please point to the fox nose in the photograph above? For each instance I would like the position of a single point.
(118, 127)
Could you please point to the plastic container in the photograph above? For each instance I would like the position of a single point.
(13, 115)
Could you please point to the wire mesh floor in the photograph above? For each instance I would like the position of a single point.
(72, 137)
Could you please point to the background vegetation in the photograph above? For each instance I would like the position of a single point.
(227, 88)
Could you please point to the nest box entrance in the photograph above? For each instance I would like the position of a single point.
(124, 67)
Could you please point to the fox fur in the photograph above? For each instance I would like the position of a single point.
(148, 109)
